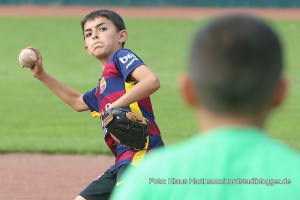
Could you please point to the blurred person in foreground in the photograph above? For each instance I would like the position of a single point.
(234, 81)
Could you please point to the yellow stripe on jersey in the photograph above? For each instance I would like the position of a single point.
(95, 114)
(136, 109)
(139, 156)
(134, 106)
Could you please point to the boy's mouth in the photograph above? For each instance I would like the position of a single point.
(97, 44)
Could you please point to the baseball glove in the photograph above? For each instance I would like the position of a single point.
(129, 128)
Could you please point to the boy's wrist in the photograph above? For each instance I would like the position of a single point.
(112, 105)
(40, 75)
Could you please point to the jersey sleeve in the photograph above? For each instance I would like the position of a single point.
(91, 100)
(127, 61)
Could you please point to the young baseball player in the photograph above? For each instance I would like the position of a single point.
(234, 82)
(125, 82)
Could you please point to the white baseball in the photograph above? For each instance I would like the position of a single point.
(24, 58)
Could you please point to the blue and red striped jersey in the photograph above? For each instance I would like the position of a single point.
(116, 80)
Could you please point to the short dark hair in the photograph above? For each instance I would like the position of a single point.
(114, 17)
(235, 64)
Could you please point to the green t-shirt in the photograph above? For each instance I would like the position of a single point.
(226, 163)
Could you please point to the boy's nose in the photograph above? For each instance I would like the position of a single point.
(95, 36)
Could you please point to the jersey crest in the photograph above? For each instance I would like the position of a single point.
(102, 85)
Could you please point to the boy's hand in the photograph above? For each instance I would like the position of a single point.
(37, 69)
(126, 127)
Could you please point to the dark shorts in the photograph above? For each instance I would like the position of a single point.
(102, 187)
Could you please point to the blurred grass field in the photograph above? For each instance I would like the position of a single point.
(32, 119)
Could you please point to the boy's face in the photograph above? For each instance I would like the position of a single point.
(102, 38)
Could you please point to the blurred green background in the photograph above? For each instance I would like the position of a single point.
(186, 3)
(32, 119)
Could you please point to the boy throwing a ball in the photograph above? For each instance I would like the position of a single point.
(125, 82)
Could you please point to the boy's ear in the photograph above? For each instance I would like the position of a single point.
(187, 90)
(123, 34)
(280, 93)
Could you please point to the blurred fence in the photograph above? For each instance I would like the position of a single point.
(198, 3)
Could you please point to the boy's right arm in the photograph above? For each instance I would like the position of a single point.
(64, 92)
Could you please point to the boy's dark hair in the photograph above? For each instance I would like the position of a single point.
(114, 17)
(236, 63)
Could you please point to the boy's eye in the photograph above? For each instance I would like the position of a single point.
(102, 29)
(88, 35)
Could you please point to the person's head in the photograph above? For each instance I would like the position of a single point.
(103, 31)
(236, 66)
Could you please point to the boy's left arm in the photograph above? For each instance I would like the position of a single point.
(147, 84)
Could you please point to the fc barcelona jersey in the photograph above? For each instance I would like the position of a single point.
(116, 80)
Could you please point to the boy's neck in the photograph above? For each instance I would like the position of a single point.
(211, 121)
(103, 63)
(103, 60)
